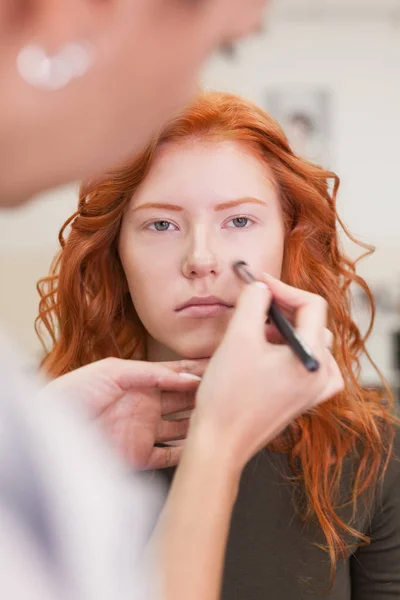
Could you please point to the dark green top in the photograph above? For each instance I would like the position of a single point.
(272, 555)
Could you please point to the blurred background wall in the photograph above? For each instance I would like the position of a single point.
(335, 61)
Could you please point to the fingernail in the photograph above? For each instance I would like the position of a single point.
(269, 276)
(261, 285)
(190, 376)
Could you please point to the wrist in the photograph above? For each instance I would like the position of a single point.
(206, 444)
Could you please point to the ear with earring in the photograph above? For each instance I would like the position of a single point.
(54, 72)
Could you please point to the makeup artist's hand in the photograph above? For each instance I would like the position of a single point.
(130, 400)
(253, 389)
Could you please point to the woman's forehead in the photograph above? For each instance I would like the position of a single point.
(197, 168)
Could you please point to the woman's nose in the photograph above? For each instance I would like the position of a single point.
(201, 259)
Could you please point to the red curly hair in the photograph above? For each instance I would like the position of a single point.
(86, 309)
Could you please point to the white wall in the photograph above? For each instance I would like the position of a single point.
(360, 63)
(28, 242)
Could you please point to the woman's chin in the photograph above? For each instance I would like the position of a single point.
(186, 349)
(198, 353)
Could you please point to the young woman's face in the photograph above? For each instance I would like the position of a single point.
(202, 206)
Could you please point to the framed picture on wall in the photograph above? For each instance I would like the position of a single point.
(305, 114)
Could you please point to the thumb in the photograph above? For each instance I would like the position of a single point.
(251, 311)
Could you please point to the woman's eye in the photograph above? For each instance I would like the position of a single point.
(239, 222)
(162, 226)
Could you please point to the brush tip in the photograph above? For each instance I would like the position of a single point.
(239, 263)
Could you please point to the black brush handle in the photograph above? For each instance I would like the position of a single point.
(287, 331)
(282, 324)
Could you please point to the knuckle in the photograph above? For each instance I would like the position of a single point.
(329, 338)
(185, 366)
(110, 361)
(338, 381)
(168, 456)
(182, 428)
(166, 401)
(321, 303)
(317, 300)
(159, 380)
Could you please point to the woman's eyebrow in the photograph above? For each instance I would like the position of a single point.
(238, 202)
(219, 207)
(162, 205)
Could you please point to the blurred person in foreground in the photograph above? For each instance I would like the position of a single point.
(83, 85)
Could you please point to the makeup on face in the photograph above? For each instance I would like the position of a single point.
(284, 326)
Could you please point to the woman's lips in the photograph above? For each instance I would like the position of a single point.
(204, 307)
(200, 311)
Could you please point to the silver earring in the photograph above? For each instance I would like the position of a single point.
(53, 72)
